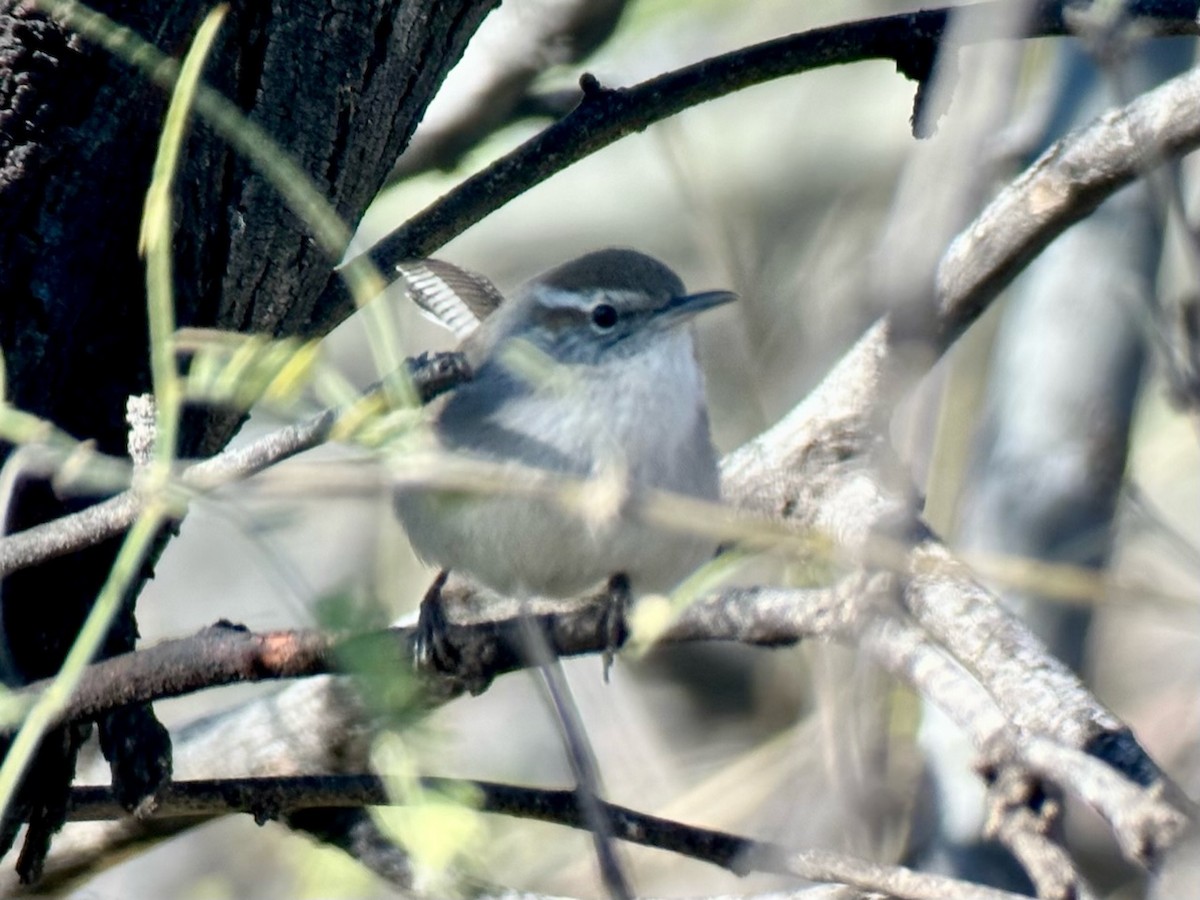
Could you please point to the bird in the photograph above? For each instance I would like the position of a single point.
(589, 368)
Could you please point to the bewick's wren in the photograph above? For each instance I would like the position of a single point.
(631, 397)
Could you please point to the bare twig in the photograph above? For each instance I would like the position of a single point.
(270, 797)
(1028, 822)
(604, 116)
(1143, 824)
(432, 374)
(488, 87)
(1063, 186)
(1146, 823)
(985, 257)
(815, 469)
(227, 654)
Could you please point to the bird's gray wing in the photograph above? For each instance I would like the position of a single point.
(454, 298)
(473, 421)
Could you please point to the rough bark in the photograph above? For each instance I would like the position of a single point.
(340, 87)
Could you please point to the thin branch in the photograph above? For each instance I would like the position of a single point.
(1036, 691)
(815, 466)
(1143, 824)
(983, 259)
(604, 116)
(228, 654)
(1022, 817)
(815, 469)
(267, 798)
(432, 374)
(488, 88)
(1074, 176)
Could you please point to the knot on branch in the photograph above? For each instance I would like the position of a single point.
(1121, 750)
(919, 58)
(591, 87)
(598, 101)
(1013, 790)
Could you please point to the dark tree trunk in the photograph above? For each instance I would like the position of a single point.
(340, 87)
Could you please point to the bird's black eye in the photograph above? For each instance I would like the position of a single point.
(604, 316)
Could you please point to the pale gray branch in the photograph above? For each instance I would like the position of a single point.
(1064, 185)
(516, 43)
(1030, 828)
(113, 516)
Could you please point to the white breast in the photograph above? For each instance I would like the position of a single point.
(657, 431)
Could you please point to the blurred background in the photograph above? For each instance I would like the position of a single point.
(1019, 440)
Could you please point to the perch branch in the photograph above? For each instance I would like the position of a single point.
(267, 798)
(604, 116)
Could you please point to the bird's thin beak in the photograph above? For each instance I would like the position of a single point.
(690, 304)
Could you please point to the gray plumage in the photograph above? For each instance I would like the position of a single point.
(630, 396)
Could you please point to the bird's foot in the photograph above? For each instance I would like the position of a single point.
(433, 651)
(620, 599)
(431, 648)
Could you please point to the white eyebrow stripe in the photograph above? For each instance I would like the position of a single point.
(552, 298)
(583, 301)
